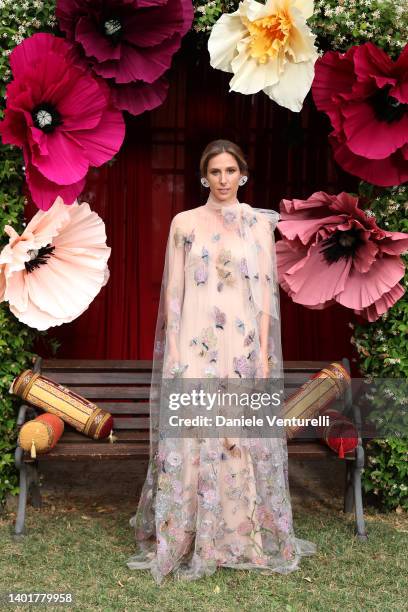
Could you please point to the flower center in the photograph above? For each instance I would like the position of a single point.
(386, 107)
(113, 29)
(46, 117)
(38, 257)
(341, 245)
(268, 35)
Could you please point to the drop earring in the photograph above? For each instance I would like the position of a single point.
(242, 180)
(204, 182)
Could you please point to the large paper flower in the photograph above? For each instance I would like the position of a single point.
(334, 252)
(268, 47)
(61, 116)
(52, 272)
(365, 94)
(129, 42)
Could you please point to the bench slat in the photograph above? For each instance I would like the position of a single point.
(98, 393)
(71, 436)
(99, 378)
(105, 450)
(108, 365)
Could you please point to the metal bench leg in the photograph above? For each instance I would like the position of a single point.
(358, 497)
(348, 489)
(33, 485)
(22, 502)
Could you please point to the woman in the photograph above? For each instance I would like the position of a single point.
(216, 501)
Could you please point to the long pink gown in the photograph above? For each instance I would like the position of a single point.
(204, 504)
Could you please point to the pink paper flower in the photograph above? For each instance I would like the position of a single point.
(130, 43)
(61, 117)
(52, 272)
(365, 94)
(334, 252)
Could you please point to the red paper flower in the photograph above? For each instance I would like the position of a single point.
(365, 95)
(129, 42)
(333, 251)
(61, 116)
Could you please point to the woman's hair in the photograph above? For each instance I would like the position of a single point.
(222, 146)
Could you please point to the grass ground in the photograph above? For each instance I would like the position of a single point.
(81, 547)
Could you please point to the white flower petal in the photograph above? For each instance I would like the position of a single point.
(260, 57)
(223, 41)
(293, 86)
(305, 7)
(251, 77)
(256, 10)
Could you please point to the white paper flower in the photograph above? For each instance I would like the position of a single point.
(267, 47)
(53, 271)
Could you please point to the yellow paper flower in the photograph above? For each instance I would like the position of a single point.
(267, 47)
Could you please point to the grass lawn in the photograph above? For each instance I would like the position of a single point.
(81, 547)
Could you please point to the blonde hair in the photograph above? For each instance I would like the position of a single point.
(222, 146)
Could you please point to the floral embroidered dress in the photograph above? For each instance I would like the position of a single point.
(217, 502)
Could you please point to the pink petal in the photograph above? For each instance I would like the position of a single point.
(334, 74)
(365, 256)
(94, 43)
(362, 290)
(400, 91)
(286, 258)
(306, 229)
(104, 141)
(16, 292)
(150, 28)
(371, 62)
(47, 225)
(383, 304)
(33, 50)
(2, 282)
(319, 199)
(385, 172)
(141, 64)
(83, 103)
(139, 97)
(316, 282)
(44, 192)
(395, 243)
(67, 160)
(360, 122)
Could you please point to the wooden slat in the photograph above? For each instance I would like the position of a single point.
(133, 408)
(72, 452)
(131, 423)
(96, 393)
(306, 449)
(71, 436)
(99, 378)
(102, 365)
(103, 450)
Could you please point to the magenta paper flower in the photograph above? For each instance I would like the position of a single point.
(52, 272)
(365, 94)
(61, 116)
(130, 43)
(332, 251)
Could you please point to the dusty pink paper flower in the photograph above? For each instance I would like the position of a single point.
(52, 272)
(130, 43)
(61, 116)
(333, 251)
(365, 94)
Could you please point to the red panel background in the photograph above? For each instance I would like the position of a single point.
(156, 175)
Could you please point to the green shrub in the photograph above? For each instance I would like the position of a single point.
(383, 350)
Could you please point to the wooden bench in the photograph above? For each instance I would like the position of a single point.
(122, 388)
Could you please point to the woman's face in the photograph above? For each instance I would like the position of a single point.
(223, 174)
